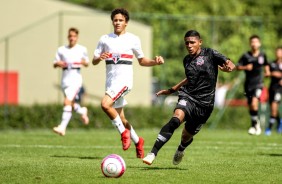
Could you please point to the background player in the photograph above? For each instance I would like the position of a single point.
(117, 49)
(253, 62)
(196, 95)
(275, 92)
(70, 58)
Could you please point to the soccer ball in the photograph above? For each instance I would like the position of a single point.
(113, 166)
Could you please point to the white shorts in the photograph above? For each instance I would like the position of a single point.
(71, 91)
(117, 95)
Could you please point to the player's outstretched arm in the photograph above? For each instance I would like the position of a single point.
(151, 62)
(228, 66)
(172, 89)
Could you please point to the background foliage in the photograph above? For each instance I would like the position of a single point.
(48, 116)
(224, 25)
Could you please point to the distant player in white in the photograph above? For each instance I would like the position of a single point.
(70, 58)
(117, 49)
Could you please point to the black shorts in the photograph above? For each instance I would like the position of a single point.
(195, 115)
(253, 93)
(274, 95)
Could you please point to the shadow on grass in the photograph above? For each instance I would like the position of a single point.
(158, 168)
(67, 156)
(272, 154)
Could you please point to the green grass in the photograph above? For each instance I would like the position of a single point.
(216, 156)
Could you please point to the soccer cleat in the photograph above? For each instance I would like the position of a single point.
(125, 138)
(268, 131)
(59, 130)
(258, 129)
(252, 131)
(177, 158)
(84, 116)
(149, 159)
(139, 148)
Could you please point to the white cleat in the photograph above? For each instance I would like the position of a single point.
(84, 116)
(252, 131)
(149, 159)
(258, 129)
(177, 158)
(59, 130)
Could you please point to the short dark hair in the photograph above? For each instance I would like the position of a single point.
(192, 33)
(279, 47)
(122, 11)
(254, 36)
(73, 29)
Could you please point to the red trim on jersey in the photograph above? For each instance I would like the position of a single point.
(123, 56)
(124, 89)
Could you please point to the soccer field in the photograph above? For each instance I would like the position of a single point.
(216, 156)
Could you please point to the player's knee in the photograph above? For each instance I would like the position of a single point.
(172, 125)
(105, 105)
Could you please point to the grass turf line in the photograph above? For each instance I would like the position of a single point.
(215, 156)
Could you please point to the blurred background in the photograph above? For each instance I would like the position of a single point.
(32, 30)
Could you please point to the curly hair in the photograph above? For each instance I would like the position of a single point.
(122, 11)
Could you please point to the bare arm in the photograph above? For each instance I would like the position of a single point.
(228, 66)
(96, 60)
(151, 62)
(84, 63)
(173, 89)
(60, 64)
(247, 67)
(276, 74)
(267, 72)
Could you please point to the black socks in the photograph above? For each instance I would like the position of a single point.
(165, 134)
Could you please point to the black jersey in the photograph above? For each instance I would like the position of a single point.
(254, 78)
(201, 72)
(274, 66)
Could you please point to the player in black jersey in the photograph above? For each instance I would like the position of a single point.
(253, 62)
(275, 92)
(196, 95)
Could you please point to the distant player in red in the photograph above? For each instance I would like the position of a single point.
(253, 62)
(117, 49)
(275, 92)
(70, 58)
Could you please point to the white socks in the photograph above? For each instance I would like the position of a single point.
(66, 116)
(134, 136)
(78, 109)
(118, 124)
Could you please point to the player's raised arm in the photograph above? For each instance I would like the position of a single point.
(172, 89)
(151, 62)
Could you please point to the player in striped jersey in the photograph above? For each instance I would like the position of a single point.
(117, 49)
(70, 58)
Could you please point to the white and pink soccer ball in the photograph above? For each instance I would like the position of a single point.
(113, 166)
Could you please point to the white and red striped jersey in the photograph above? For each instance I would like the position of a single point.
(119, 65)
(73, 57)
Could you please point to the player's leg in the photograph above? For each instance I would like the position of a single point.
(107, 106)
(138, 141)
(186, 140)
(83, 111)
(66, 115)
(253, 101)
(165, 134)
(273, 112)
